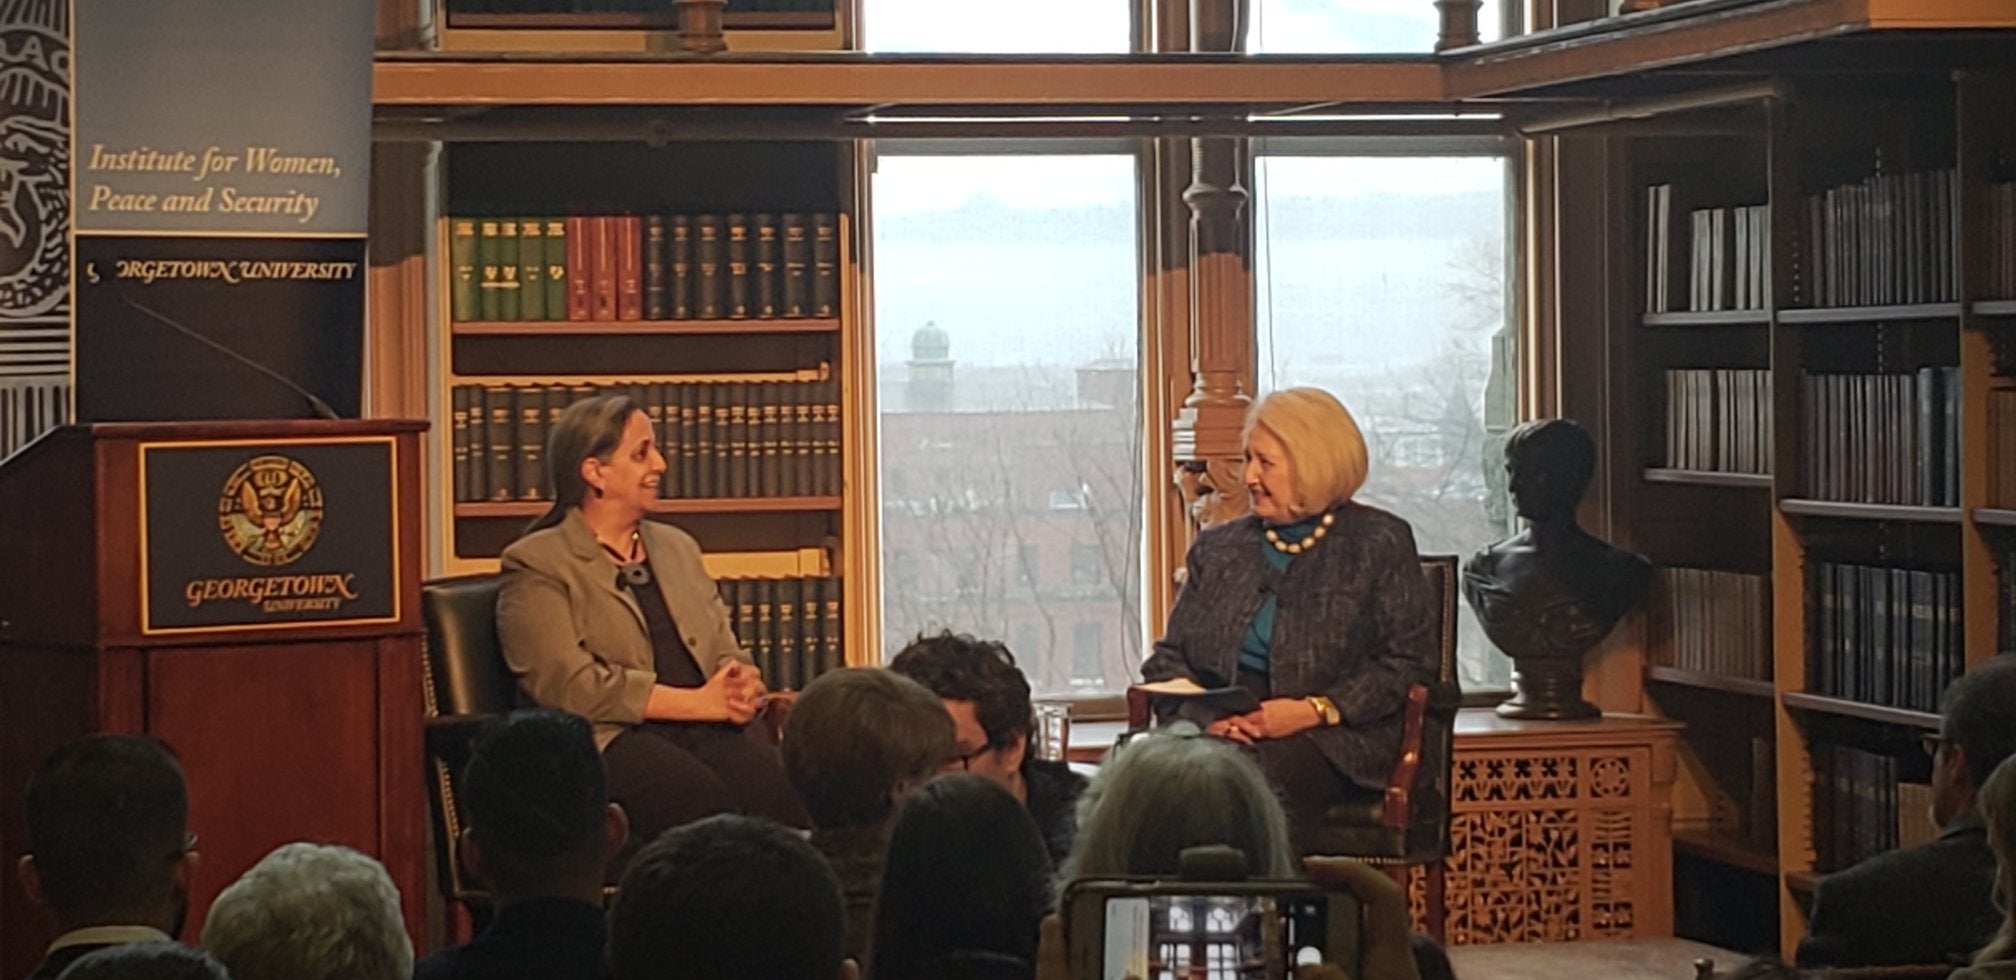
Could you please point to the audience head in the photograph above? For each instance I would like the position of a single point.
(146, 961)
(725, 898)
(310, 912)
(967, 877)
(1160, 794)
(1998, 810)
(1304, 454)
(1977, 732)
(984, 692)
(589, 429)
(540, 820)
(108, 834)
(858, 740)
(1549, 463)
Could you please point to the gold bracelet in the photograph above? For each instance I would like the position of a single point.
(1326, 710)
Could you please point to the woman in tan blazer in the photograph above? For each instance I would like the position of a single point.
(614, 618)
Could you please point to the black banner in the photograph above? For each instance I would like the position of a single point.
(161, 318)
(263, 534)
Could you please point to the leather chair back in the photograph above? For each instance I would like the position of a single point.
(467, 683)
(465, 664)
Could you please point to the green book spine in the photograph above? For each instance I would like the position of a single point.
(689, 452)
(786, 677)
(507, 270)
(764, 270)
(679, 289)
(802, 439)
(703, 447)
(503, 479)
(769, 443)
(556, 268)
(531, 269)
(797, 252)
(558, 397)
(738, 440)
(708, 271)
(833, 654)
(464, 297)
(654, 267)
(763, 647)
(487, 255)
(825, 266)
(531, 441)
(459, 421)
(738, 267)
(478, 487)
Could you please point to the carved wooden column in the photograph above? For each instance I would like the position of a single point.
(1205, 436)
(404, 25)
(1458, 24)
(395, 331)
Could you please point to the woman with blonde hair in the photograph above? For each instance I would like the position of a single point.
(1315, 604)
(612, 617)
(1997, 960)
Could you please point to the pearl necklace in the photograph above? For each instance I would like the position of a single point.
(1298, 547)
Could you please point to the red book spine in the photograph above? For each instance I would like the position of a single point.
(629, 267)
(580, 280)
(603, 260)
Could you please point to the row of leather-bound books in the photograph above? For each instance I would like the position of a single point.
(1711, 621)
(790, 626)
(1862, 808)
(720, 439)
(657, 266)
(1883, 635)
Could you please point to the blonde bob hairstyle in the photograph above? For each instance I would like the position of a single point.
(1997, 803)
(1326, 450)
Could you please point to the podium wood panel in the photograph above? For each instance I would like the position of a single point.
(287, 731)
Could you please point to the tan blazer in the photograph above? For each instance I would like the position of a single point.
(577, 642)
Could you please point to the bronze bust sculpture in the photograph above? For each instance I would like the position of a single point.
(1550, 593)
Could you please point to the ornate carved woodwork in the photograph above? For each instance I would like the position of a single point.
(1558, 831)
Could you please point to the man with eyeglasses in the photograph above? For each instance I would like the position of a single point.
(109, 848)
(987, 697)
(1930, 904)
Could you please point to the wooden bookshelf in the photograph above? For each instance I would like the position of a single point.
(642, 328)
(1844, 708)
(1702, 680)
(1708, 478)
(665, 20)
(1870, 314)
(712, 505)
(1709, 318)
(1724, 847)
(1848, 510)
(1995, 517)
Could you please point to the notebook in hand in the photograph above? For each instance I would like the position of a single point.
(1230, 700)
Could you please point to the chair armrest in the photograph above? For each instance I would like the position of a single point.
(1399, 808)
(1137, 708)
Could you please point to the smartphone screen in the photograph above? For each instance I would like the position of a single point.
(1215, 936)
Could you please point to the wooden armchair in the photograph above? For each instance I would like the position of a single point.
(1410, 825)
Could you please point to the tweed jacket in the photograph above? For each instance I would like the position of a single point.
(1353, 621)
(577, 640)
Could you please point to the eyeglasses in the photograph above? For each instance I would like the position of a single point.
(188, 845)
(1932, 742)
(966, 761)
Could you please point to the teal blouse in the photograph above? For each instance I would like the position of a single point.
(1260, 632)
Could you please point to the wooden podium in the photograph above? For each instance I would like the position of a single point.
(246, 591)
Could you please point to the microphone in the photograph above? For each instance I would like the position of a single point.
(322, 409)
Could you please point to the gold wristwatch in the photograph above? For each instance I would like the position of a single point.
(1326, 710)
